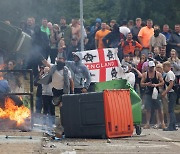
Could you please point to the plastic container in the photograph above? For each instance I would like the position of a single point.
(82, 115)
(135, 99)
(9, 37)
(118, 113)
(97, 114)
(12, 39)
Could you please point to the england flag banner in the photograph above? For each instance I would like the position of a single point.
(102, 63)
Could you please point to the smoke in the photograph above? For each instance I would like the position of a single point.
(19, 10)
(43, 122)
(1, 59)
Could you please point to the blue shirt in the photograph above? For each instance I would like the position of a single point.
(4, 86)
(167, 35)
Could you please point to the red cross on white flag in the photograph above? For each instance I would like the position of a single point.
(102, 63)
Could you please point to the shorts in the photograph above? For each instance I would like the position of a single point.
(152, 103)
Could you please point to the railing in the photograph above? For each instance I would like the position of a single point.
(30, 93)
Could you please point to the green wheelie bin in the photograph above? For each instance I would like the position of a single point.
(135, 99)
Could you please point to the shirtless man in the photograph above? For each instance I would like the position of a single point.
(76, 29)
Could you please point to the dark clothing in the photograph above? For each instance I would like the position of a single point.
(154, 80)
(39, 90)
(113, 39)
(57, 93)
(29, 30)
(161, 59)
(70, 50)
(151, 104)
(54, 46)
(53, 54)
(40, 47)
(167, 35)
(40, 43)
(48, 110)
(66, 34)
(77, 90)
(135, 30)
(172, 102)
(90, 44)
(48, 107)
(39, 104)
(174, 40)
(4, 86)
(94, 29)
(39, 86)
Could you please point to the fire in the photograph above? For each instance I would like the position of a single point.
(13, 112)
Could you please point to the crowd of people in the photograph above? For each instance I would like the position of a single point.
(149, 57)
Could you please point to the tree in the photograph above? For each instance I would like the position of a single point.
(161, 11)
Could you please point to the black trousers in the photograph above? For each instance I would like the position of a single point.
(58, 93)
(48, 110)
(48, 107)
(77, 90)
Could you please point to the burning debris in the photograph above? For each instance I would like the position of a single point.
(15, 113)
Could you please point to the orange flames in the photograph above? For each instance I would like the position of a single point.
(13, 112)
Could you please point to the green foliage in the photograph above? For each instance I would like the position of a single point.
(161, 11)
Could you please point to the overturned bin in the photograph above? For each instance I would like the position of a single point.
(13, 39)
(135, 99)
(106, 114)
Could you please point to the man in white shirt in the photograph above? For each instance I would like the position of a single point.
(124, 29)
(169, 82)
(60, 79)
(128, 75)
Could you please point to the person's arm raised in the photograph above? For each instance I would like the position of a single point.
(46, 63)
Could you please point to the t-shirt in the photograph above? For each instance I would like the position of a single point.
(124, 30)
(158, 41)
(46, 30)
(161, 59)
(4, 86)
(146, 33)
(129, 46)
(58, 79)
(99, 36)
(130, 77)
(135, 30)
(170, 77)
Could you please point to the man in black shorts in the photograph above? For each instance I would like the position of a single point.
(151, 79)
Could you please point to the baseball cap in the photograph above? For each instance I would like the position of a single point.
(151, 64)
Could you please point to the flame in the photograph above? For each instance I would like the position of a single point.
(13, 112)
